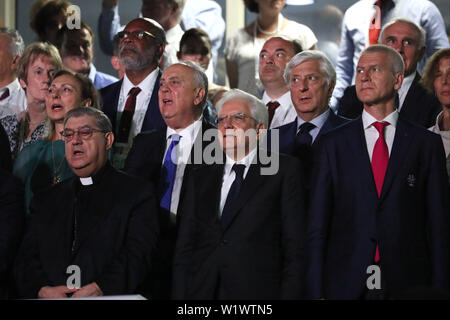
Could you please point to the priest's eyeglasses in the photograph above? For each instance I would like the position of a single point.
(139, 34)
(83, 132)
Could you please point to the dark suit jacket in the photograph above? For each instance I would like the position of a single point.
(5, 151)
(410, 221)
(110, 98)
(114, 249)
(145, 161)
(259, 254)
(419, 106)
(11, 226)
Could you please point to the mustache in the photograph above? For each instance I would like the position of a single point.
(128, 47)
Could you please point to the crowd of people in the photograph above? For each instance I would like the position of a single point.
(321, 172)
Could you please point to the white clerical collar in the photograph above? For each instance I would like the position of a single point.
(86, 181)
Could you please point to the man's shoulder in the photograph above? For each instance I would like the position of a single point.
(109, 89)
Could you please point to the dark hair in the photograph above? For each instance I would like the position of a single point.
(251, 5)
(66, 47)
(43, 16)
(196, 35)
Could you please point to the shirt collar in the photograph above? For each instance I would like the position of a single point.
(317, 121)
(92, 72)
(144, 85)
(368, 119)
(247, 161)
(13, 86)
(188, 132)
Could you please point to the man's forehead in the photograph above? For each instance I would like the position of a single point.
(401, 27)
(140, 24)
(176, 70)
(234, 105)
(277, 44)
(81, 121)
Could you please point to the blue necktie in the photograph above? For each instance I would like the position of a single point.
(168, 173)
(232, 194)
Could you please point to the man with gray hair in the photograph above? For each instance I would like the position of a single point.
(414, 103)
(240, 230)
(311, 78)
(12, 97)
(379, 215)
(161, 156)
(93, 234)
(132, 103)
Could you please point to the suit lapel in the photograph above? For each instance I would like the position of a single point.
(360, 157)
(400, 146)
(410, 103)
(251, 183)
(111, 101)
(153, 118)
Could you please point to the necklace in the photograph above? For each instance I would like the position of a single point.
(56, 176)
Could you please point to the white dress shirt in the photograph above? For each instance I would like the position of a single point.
(317, 121)
(229, 175)
(183, 150)
(403, 91)
(285, 113)
(16, 102)
(371, 133)
(173, 38)
(142, 101)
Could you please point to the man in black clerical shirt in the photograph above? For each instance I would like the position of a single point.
(101, 223)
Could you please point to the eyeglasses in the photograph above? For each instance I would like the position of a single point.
(235, 118)
(139, 34)
(84, 133)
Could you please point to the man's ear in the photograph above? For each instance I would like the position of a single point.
(199, 95)
(109, 136)
(421, 53)
(14, 63)
(398, 80)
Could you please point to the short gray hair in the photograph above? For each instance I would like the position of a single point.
(396, 60)
(200, 78)
(257, 108)
(326, 67)
(101, 120)
(16, 45)
(422, 34)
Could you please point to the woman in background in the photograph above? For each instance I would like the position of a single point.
(43, 163)
(36, 66)
(436, 78)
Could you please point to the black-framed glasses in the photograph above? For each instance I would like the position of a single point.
(138, 34)
(236, 118)
(83, 132)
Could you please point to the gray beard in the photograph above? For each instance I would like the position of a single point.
(135, 64)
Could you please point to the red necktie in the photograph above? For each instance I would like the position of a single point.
(272, 106)
(127, 115)
(380, 159)
(375, 24)
(4, 95)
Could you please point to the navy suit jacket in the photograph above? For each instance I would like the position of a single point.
(419, 106)
(153, 118)
(410, 221)
(5, 151)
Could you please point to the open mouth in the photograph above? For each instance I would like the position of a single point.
(77, 153)
(166, 101)
(57, 107)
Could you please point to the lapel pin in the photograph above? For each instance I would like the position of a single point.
(411, 179)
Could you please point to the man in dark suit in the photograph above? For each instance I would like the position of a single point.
(182, 98)
(311, 78)
(11, 225)
(102, 222)
(241, 227)
(380, 197)
(132, 103)
(414, 102)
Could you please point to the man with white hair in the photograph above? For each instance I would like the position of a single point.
(310, 77)
(243, 244)
(414, 103)
(379, 214)
(12, 97)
